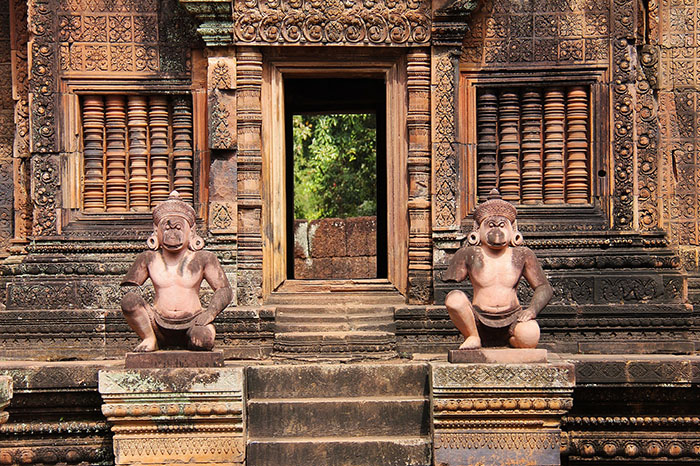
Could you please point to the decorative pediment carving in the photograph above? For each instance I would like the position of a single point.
(299, 22)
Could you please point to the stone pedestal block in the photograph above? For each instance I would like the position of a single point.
(500, 414)
(5, 397)
(175, 416)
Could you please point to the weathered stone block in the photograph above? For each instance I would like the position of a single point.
(165, 416)
(495, 414)
(301, 239)
(327, 237)
(361, 236)
(362, 266)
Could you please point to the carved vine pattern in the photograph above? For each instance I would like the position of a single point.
(373, 22)
(444, 142)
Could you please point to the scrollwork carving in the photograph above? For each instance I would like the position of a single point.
(378, 22)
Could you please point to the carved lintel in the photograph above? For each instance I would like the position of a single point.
(306, 22)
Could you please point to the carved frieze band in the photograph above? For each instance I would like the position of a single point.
(367, 22)
(498, 440)
(419, 247)
(443, 101)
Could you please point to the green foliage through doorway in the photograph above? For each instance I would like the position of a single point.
(335, 165)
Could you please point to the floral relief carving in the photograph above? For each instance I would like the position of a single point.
(374, 22)
(105, 36)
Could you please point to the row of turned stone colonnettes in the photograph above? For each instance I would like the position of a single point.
(132, 159)
(533, 144)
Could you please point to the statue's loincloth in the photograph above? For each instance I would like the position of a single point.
(498, 319)
(170, 323)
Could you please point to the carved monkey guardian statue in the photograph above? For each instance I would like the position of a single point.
(494, 261)
(176, 266)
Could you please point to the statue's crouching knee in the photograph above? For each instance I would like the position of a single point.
(456, 301)
(132, 302)
(526, 335)
(201, 337)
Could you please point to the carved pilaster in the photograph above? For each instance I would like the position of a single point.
(19, 37)
(449, 26)
(532, 146)
(418, 121)
(42, 64)
(554, 114)
(115, 153)
(500, 413)
(158, 123)
(444, 137)
(221, 86)
(160, 416)
(509, 145)
(249, 110)
(624, 14)
(138, 154)
(93, 153)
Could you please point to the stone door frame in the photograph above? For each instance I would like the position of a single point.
(276, 66)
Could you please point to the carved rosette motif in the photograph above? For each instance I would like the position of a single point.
(624, 12)
(375, 22)
(42, 80)
(45, 189)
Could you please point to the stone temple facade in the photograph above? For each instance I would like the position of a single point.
(584, 113)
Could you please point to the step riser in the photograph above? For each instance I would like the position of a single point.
(337, 380)
(336, 327)
(349, 453)
(279, 419)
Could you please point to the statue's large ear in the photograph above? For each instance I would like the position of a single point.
(474, 239)
(517, 238)
(196, 241)
(152, 241)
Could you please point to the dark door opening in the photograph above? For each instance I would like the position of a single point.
(335, 130)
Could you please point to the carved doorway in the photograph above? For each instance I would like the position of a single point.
(335, 86)
(335, 131)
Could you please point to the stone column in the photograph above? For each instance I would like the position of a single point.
(497, 414)
(183, 415)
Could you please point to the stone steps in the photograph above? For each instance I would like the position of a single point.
(338, 414)
(335, 331)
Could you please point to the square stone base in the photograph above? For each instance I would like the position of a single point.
(494, 414)
(498, 355)
(175, 416)
(174, 358)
